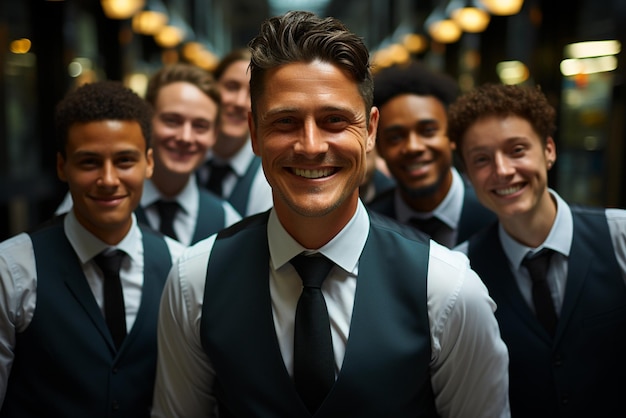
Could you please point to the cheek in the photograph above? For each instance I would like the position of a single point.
(206, 140)
(160, 133)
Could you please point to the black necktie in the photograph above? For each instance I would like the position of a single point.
(216, 177)
(114, 311)
(313, 359)
(431, 226)
(167, 213)
(537, 266)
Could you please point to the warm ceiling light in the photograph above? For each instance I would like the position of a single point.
(440, 28)
(445, 31)
(512, 72)
(174, 33)
(169, 37)
(503, 7)
(573, 66)
(151, 19)
(469, 15)
(148, 22)
(592, 49)
(415, 43)
(121, 9)
(20, 46)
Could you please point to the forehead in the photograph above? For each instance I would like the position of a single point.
(184, 97)
(237, 71)
(412, 107)
(496, 131)
(303, 85)
(105, 136)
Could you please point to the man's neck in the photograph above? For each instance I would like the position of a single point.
(227, 146)
(169, 184)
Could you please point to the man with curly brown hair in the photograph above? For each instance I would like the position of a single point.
(557, 272)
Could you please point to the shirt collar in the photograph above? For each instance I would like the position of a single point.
(239, 162)
(188, 198)
(344, 249)
(559, 239)
(448, 211)
(86, 245)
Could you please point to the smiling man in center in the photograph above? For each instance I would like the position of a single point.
(399, 325)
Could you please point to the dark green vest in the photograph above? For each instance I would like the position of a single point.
(241, 193)
(65, 363)
(211, 216)
(385, 372)
(580, 373)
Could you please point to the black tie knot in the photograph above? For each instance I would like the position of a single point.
(430, 226)
(216, 176)
(538, 264)
(167, 213)
(110, 262)
(312, 269)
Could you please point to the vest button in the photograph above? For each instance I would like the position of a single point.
(564, 398)
(115, 370)
(558, 361)
(115, 405)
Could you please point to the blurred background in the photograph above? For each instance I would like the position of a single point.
(572, 49)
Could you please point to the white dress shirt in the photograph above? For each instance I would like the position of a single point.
(560, 240)
(448, 211)
(186, 219)
(469, 364)
(18, 280)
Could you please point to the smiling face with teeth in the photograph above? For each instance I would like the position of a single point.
(312, 131)
(413, 142)
(507, 163)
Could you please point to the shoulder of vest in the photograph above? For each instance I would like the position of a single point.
(209, 196)
(246, 223)
(587, 210)
(55, 222)
(386, 223)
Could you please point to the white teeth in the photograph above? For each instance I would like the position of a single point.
(313, 174)
(415, 166)
(508, 190)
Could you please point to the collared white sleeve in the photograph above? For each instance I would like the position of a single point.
(616, 218)
(18, 283)
(470, 361)
(184, 377)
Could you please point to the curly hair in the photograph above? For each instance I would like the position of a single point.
(501, 100)
(99, 101)
(187, 73)
(300, 36)
(413, 78)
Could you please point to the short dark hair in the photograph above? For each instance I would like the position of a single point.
(415, 78)
(99, 101)
(501, 100)
(300, 36)
(240, 54)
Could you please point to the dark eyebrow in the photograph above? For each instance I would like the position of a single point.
(399, 127)
(290, 110)
(126, 152)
